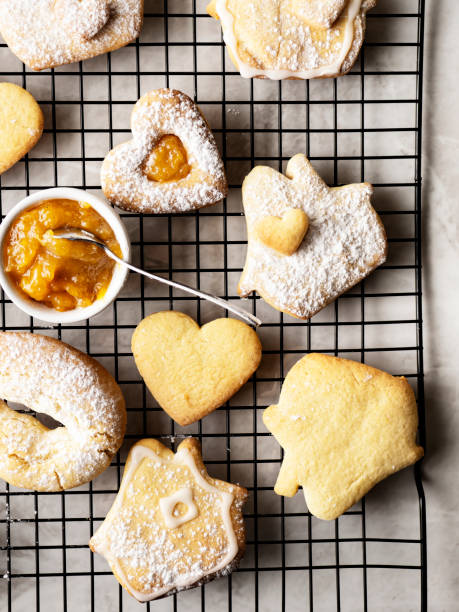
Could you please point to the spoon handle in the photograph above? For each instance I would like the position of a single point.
(240, 312)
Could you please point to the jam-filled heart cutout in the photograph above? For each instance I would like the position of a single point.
(285, 234)
(172, 163)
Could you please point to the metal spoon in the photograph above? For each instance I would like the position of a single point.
(84, 236)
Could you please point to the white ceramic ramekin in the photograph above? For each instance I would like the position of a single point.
(40, 311)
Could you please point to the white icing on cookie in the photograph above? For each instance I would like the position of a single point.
(345, 240)
(167, 505)
(299, 58)
(123, 540)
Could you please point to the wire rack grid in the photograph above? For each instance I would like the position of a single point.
(365, 126)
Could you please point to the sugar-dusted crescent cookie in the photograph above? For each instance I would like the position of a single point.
(51, 377)
(294, 39)
(48, 33)
(191, 371)
(21, 124)
(345, 240)
(172, 527)
(344, 426)
(172, 164)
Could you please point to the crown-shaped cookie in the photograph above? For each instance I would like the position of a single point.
(48, 33)
(299, 39)
(171, 526)
(345, 239)
(344, 426)
(172, 164)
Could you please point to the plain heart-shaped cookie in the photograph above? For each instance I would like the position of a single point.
(168, 129)
(21, 124)
(285, 234)
(192, 370)
(344, 243)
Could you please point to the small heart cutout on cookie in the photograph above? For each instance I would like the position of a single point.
(21, 124)
(285, 234)
(192, 370)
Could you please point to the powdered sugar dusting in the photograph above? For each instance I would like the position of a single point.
(344, 243)
(152, 560)
(50, 377)
(83, 18)
(280, 40)
(158, 113)
(48, 33)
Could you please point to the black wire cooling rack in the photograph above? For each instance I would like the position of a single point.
(365, 126)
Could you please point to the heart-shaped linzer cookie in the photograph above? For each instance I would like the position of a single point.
(189, 370)
(21, 124)
(285, 234)
(172, 164)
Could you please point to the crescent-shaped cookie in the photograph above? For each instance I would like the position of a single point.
(48, 376)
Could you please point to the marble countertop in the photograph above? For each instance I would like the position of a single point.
(441, 300)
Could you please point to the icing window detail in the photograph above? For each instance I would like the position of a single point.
(167, 505)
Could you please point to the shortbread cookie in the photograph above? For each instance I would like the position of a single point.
(21, 124)
(286, 234)
(345, 240)
(297, 39)
(189, 370)
(172, 527)
(344, 426)
(48, 33)
(172, 164)
(51, 377)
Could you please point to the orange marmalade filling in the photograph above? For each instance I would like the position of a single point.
(168, 161)
(59, 273)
